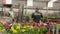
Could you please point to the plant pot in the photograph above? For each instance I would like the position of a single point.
(59, 33)
(49, 33)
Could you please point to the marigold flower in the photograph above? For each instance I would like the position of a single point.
(59, 25)
(12, 28)
(17, 27)
(24, 27)
(23, 30)
(28, 26)
(14, 31)
(54, 23)
(51, 22)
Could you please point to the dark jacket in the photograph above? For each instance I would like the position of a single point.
(37, 16)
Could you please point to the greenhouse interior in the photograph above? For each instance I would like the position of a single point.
(29, 16)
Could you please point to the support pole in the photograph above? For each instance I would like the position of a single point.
(57, 29)
(53, 29)
(22, 12)
(19, 14)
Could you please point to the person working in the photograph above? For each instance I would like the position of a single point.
(36, 16)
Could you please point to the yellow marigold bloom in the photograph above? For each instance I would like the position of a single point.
(28, 26)
(12, 28)
(54, 23)
(17, 27)
(3, 30)
(14, 31)
(24, 27)
(59, 25)
(51, 23)
(23, 30)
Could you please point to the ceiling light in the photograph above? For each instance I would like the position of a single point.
(53, 0)
(50, 4)
(8, 1)
(29, 2)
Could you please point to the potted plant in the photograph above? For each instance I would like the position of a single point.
(44, 29)
(12, 29)
(16, 28)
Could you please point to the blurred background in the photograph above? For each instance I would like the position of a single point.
(19, 7)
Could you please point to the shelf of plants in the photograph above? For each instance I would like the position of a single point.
(54, 22)
(24, 28)
(28, 28)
